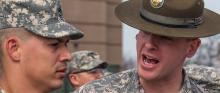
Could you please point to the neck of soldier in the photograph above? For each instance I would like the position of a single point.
(76, 87)
(170, 84)
(13, 81)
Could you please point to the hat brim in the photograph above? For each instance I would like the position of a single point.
(58, 29)
(129, 13)
(101, 64)
(98, 64)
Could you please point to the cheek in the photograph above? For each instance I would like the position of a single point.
(173, 55)
(38, 56)
(84, 79)
(92, 77)
(139, 46)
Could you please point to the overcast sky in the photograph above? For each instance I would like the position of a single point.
(129, 49)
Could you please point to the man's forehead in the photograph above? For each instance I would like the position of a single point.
(61, 39)
(13, 29)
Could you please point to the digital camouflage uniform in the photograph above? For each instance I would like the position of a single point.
(206, 76)
(128, 82)
(85, 61)
(1, 91)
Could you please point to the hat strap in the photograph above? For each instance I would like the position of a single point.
(170, 21)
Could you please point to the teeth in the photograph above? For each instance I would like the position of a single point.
(150, 60)
(145, 60)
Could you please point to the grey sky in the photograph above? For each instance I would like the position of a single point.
(129, 49)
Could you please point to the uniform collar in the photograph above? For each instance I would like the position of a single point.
(2, 91)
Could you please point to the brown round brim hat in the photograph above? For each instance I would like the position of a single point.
(129, 13)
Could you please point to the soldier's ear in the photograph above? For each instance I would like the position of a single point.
(12, 45)
(74, 79)
(194, 45)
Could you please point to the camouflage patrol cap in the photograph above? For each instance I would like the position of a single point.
(42, 17)
(85, 61)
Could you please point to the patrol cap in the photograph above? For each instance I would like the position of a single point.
(84, 61)
(42, 17)
(172, 18)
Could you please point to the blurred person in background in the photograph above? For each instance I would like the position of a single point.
(86, 66)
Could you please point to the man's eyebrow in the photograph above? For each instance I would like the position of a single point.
(61, 40)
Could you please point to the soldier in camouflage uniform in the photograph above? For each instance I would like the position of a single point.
(169, 33)
(204, 75)
(34, 51)
(86, 66)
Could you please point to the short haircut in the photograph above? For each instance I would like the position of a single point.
(5, 33)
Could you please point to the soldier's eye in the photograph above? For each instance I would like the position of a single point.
(54, 45)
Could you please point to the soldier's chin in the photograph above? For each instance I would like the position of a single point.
(56, 85)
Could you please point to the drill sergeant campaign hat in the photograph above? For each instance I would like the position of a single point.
(41, 17)
(85, 61)
(172, 18)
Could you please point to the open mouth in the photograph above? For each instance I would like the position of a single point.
(62, 70)
(150, 60)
